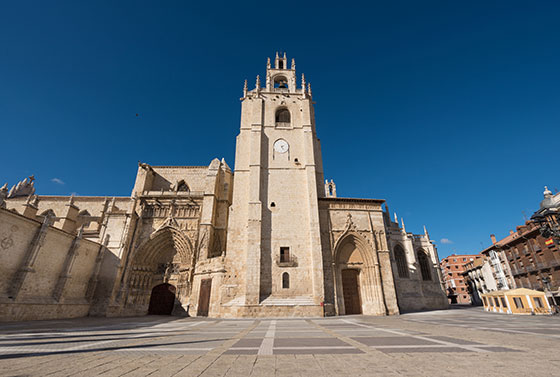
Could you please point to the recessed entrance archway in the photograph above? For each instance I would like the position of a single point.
(164, 260)
(357, 277)
(162, 299)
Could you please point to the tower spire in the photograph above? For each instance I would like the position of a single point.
(245, 89)
(267, 63)
(293, 64)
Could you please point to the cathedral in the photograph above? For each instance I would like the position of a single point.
(269, 238)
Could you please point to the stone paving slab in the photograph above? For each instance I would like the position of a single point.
(392, 341)
(465, 342)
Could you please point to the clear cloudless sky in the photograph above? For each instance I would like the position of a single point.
(449, 110)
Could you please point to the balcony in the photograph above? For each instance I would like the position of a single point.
(286, 261)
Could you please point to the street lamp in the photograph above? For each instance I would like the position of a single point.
(546, 285)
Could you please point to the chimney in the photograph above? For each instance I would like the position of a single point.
(493, 238)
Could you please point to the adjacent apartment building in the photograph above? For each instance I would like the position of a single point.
(452, 269)
(528, 257)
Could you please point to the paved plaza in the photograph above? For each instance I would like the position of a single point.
(460, 341)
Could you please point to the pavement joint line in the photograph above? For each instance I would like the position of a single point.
(218, 351)
(75, 348)
(483, 328)
(48, 350)
(345, 339)
(151, 349)
(472, 348)
(267, 344)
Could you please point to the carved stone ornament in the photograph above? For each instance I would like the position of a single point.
(23, 188)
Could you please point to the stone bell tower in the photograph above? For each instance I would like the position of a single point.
(274, 245)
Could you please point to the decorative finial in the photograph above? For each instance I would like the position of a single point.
(258, 83)
(303, 83)
(396, 218)
(284, 56)
(309, 89)
(293, 64)
(425, 231)
(276, 54)
(245, 89)
(547, 192)
(268, 63)
(71, 200)
(402, 223)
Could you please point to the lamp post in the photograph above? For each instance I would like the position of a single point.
(546, 285)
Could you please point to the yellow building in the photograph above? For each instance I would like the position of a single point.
(516, 301)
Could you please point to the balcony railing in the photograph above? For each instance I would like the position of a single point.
(289, 261)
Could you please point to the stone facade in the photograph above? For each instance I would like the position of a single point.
(268, 239)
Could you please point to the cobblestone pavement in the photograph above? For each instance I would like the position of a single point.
(463, 342)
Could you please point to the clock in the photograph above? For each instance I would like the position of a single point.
(281, 146)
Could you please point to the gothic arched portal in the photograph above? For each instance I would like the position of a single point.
(164, 260)
(357, 277)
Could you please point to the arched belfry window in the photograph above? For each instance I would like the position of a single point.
(424, 263)
(283, 116)
(400, 259)
(285, 280)
(281, 82)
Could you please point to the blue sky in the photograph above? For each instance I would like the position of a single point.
(448, 110)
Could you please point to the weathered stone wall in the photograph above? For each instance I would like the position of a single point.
(353, 233)
(45, 273)
(413, 292)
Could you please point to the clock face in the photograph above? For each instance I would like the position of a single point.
(281, 146)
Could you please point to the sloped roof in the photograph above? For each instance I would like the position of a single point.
(514, 292)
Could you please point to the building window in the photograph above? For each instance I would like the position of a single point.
(484, 300)
(182, 186)
(496, 302)
(518, 302)
(538, 302)
(503, 300)
(284, 254)
(402, 265)
(283, 116)
(424, 265)
(285, 280)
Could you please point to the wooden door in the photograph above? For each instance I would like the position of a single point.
(351, 292)
(204, 297)
(162, 299)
